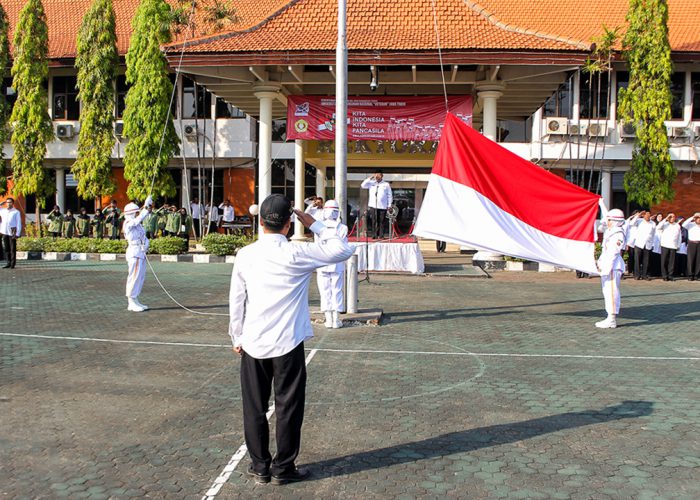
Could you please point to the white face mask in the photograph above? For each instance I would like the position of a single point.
(330, 213)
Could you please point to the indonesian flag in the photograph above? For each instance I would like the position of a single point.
(483, 196)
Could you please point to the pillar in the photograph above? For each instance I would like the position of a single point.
(265, 94)
(321, 182)
(299, 186)
(186, 184)
(61, 188)
(606, 188)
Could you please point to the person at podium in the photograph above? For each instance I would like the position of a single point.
(380, 198)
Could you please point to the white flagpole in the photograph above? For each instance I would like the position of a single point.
(341, 112)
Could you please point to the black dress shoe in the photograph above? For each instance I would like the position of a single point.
(291, 477)
(260, 477)
(7, 266)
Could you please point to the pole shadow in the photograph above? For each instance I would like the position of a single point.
(474, 439)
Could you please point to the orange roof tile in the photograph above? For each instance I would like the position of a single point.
(545, 25)
(64, 18)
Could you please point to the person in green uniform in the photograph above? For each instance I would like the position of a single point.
(150, 223)
(55, 218)
(162, 218)
(98, 224)
(113, 220)
(68, 224)
(82, 224)
(185, 226)
(172, 223)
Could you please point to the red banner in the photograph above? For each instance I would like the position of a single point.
(375, 118)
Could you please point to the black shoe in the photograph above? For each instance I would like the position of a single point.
(260, 477)
(291, 477)
(7, 266)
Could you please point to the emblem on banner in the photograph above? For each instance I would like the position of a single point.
(302, 109)
(301, 126)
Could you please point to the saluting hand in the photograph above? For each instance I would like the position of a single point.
(304, 218)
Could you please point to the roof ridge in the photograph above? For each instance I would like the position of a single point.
(481, 11)
(220, 36)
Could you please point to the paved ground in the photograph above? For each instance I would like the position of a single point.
(472, 388)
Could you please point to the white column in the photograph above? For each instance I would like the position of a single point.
(606, 188)
(488, 93)
(321, 182)
(299, 186)
(186, 183)
(61, 189)
(265, 94)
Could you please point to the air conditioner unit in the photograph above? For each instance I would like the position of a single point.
(577, 129)
(190, 131)
(627, 130)
(680, 132)
(697, 134)
(556, 126)
(119, 129)
(65, 131)
(597, 129)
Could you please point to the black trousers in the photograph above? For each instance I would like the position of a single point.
(641, 262)
(287, 374)
(668, 262)
(630, 260)
(195, 224)
(694, 260)
(378, 217)
(10, 245)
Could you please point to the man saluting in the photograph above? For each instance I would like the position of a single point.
(269, 323)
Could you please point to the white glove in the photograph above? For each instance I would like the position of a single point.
(148, 202)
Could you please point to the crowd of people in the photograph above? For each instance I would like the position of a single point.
(166, 220)
(666, 246)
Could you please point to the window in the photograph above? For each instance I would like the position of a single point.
(122, 89)
(677, 86)
(559, 104)
(593, 95)
(226, 110)
(283, 178)
(65, 98)
(9, 93)
(196, 100)
(695, 90)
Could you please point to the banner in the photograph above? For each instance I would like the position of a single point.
(375, 118)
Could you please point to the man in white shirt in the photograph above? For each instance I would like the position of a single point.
(693, 227)
(10, 229)
(669, 232)
(269, 322)
(643, 244)
(197, 211)
(212, 218)
(314, 207)
(227, 216)
(135, 235)
(380, 198)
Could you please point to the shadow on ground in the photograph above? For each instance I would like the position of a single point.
(474, 439)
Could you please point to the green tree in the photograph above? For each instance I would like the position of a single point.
(148, 121)
(4, 64)
(97, 62)
(31, 124)
(647, 101)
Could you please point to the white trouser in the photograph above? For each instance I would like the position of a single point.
(611, 291)
(137, 274)
(330, 287)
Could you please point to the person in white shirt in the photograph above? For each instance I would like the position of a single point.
(135, 235)
(631, 233)
(669, 232)
(380, 199)
(611, 265)
(197, 211)
(269, 322)
(212, 218)
(330, 278)
(314, 207)
(10, 229)
(693, 227)
(227, 216)
(643, 244)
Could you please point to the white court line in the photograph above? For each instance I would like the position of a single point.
(369, 351)
(240, 452)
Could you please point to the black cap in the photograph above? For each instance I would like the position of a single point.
(275, 210)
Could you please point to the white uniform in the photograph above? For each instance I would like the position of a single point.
(380, 194)
(612, 265)
(135, 235)
(330, 278)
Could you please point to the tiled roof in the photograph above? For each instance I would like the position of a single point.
(558, 25)
(64, 17)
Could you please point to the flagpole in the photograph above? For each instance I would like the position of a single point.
(341, 112)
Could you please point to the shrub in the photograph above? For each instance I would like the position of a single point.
(111, 246)
(31, 244)
(31, 231)
(168, 245)
(225, 244)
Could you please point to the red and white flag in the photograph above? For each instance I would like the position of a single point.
(483, 196)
